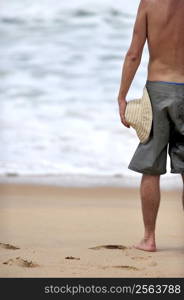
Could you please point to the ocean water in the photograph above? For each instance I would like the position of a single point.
(59, 78)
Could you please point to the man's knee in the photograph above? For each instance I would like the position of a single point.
(182, 175)
(151, 176)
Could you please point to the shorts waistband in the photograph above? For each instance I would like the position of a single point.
(174, 88)
(165, 82)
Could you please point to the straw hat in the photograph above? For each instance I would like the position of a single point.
(138, 115)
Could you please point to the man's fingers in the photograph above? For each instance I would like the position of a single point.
(125, 124)
(123, 120)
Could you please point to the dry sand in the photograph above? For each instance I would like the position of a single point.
(51, 225)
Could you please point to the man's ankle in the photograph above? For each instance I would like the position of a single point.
(149, 236)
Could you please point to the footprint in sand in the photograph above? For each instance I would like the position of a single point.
(126, 267)
(72, 257)
(116, 247)
(153, 264)
(123, 267)
(8, 246)
(140, 257)
(20, 262)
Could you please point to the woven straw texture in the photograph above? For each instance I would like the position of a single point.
(139, 116)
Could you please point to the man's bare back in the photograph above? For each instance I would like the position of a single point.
(161, 24)
(165, 36)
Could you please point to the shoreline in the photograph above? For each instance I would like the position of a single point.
(171, 182)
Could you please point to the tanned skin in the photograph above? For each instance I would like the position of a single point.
(161, 24)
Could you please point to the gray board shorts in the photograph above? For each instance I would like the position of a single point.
(167, 132)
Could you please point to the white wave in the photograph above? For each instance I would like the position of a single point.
(59, 84)
(49, 9)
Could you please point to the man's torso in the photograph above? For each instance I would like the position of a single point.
(165, 36)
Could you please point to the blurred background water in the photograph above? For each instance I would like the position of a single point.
(60, 72)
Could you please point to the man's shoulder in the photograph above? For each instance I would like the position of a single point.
(146, 5)
(147, 2)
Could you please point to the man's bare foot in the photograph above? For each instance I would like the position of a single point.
(146, 245)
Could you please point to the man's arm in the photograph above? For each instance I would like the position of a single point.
(133, 56)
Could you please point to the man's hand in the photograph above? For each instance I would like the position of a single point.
(122, 107)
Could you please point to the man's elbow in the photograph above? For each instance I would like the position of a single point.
(134, 56)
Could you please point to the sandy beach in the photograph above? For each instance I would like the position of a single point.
(49, 231)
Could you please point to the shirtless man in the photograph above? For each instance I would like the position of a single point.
(161, 23)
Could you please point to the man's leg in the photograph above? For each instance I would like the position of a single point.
(150, 199)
